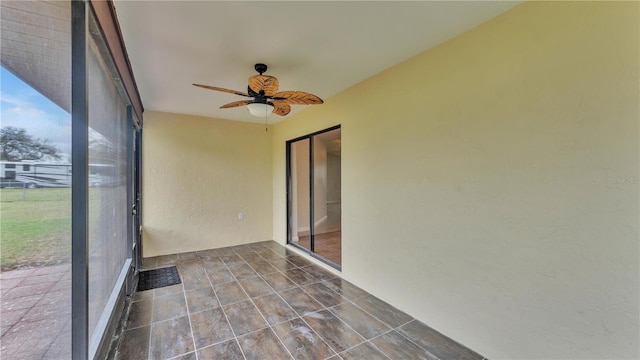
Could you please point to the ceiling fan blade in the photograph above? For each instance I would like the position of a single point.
(236, 104)
(222, 89)
(264, 82)
(281, 108)
(297, 98)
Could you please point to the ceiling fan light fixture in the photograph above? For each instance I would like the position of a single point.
(260, 109)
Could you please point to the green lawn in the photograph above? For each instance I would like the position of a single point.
(35, 227)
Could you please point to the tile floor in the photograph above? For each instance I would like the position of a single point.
(261, 301)
(36, 313)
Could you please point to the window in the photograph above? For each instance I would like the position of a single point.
(35, 49)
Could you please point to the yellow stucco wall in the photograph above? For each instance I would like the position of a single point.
(198, 174)
(490, 185)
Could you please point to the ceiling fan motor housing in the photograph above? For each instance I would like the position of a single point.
(260, 68)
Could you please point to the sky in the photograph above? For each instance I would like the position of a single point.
(22, 106)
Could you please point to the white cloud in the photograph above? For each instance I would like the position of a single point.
(20, 106)
(27, 111)
(9, 99)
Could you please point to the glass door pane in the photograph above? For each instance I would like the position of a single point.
(327, 235)
(300, 194)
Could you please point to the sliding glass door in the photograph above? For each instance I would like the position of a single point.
(314, 194)
(112, 124)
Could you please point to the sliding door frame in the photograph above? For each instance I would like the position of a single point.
(311, 250)
(80, 183)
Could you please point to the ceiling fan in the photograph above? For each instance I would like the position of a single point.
(266, 97)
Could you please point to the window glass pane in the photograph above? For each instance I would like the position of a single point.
(35, 195)
(108, 208)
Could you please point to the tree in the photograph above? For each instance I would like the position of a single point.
(17, 145)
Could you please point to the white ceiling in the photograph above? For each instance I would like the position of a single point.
(321, 47)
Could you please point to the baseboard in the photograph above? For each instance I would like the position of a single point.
(305, 229)
(321, 221)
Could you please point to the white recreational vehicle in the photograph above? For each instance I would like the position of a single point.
(34, 174)
(31, 174)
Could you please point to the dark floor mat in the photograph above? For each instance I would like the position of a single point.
(157, 278)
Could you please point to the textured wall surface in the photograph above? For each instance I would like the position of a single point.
(198, 174)
(490, 184)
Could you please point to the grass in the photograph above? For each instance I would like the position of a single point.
(35, 227)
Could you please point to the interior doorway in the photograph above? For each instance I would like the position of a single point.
(314, 194)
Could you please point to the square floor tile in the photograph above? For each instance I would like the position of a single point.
(219, 275)
(164, 260)
(143, 295)
(134, 344)
(244, 317)
(140, 314)
(363, 351)
(345, 288)
(336, 333)
(279, 282)
(230, 260)
(210, 327)
(242, 271)
(397, 346)
(383, 311)
(255, 286)
(274, 309)
(302, 341)
(168, 307)
(171, 338)
(300, 301)
(436, 343)
(262, 344)
(201, 299)
(298, 260)
(299, 276)
(168, 290)
(262, 267)
(364, 324)
(282, 264)
(195, 278)
(228, 350)
(189, 356)
(318, 272)
(324, 294)
(188, 256)
(230, 292)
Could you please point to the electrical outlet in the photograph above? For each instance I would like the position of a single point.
(240, 215)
